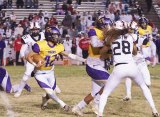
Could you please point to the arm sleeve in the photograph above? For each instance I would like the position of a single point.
(36, 48)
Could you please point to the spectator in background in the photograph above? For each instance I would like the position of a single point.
(78, 24)
(17, 47)
(79, 2)
(30, 17)
(107, 3)
(2, 46)
(74, 46)
(40, 14)
(149, 5)
(9, 3)
(65, 7)
(117, 15)
(4, 4)
(67, 44)
(46, 15)
(13, 18)
(19, 3)
(79, 50)
(35, 4)
(8, 32)
(139, 10)
(84, 45)
(111, 8)
(1, 4)
(157, 42)
(18, 30)
(69, 2)
(67, 21)
(2, 30)
(28, 4)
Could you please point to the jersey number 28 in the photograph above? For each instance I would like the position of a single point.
(125, 45)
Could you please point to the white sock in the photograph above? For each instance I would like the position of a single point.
(15, 88)
(128, 87)
(81, 104)
(21, 85)
(102, 103)
(148, 96)
(55, 98)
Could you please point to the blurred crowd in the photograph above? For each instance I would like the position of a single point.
(73, 28)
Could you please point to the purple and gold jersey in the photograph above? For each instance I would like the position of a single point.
(5, 82)
(145, 35)
(47, 52)
(94, 51)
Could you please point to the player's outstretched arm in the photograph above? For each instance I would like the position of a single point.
(73, 56)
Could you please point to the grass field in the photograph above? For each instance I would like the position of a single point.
(75, 84)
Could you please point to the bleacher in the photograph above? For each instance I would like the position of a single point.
(46, 5)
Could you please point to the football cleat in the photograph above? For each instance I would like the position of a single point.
(127, 98)
(77, 111)
(66, 108)
(17, 94)
(44, 102)
(155, 114)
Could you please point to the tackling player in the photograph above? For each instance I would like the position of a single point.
(48, 49)
(145, 33)
(95, 66)
(124, 66)
(5, 82)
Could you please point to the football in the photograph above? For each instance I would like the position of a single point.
(37, 58)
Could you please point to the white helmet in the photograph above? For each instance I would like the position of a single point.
(133, 25)
(34, 25)
(120, 24)
(34, 29)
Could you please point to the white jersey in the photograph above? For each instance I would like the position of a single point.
(122, 49)
(29, 42)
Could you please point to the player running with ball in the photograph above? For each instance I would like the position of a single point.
(48, 49)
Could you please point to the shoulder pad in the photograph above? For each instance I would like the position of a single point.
(92, 32)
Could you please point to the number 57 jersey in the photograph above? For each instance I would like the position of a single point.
(122, 49)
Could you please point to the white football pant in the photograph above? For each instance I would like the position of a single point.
(119, 72)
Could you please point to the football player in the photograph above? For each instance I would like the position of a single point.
(48, 49)
(95, 66)
(145, 33)
(140, 61)
(124, 66)
(29, 39)
(5, 82)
